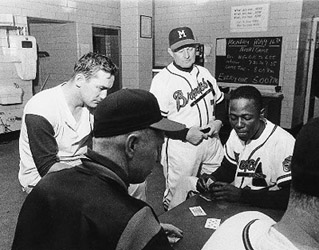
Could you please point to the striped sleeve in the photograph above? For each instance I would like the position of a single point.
(219, 95)
(158, 89)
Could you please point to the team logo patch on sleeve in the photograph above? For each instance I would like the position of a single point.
(286, 164)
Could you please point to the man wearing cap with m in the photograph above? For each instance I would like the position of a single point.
(88, 206)
(299, 226)
(188, 93)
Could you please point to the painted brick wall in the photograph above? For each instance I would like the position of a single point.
(65, 41)
(211, 19)
(137, 52)
(59, 40)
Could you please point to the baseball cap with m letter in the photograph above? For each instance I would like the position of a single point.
(181, 37)
(128, 110)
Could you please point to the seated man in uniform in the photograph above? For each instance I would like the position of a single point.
(88, 206)
(299, 226)
(256, 164)
(57, 122)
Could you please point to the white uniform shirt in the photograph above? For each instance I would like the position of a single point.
(186, 97)
(250, 230)
(261, 162)
(71, 136)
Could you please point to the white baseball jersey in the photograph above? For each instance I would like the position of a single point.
(184, 97)
(188, 98)
(250, 230)
(264, 162)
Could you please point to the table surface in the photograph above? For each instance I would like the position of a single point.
(195, 234)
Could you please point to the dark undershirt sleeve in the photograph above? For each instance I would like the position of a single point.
(178, 135)
(42, 143)
(277, 199)
(221, 111)
(226, 172)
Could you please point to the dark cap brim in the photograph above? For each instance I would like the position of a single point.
(182, 43)
(168, 125)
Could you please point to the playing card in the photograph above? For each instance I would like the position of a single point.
(206, 196)
(209, 182)
(212, 223)
(197, 211)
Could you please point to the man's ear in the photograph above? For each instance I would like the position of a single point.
(170, 52)
(262, 113)
(79, 79)
(131, 144)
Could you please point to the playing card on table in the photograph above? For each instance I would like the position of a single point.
(212, 223)
(197, 211)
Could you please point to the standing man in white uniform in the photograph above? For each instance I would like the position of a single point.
(188, 93)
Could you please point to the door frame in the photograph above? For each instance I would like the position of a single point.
(118, 77)
(312, 47)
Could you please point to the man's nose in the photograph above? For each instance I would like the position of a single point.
(103, 94)
(186, 53)
(239, 123)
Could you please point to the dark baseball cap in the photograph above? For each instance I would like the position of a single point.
(181, 37)
(305, 160)
(129, 110)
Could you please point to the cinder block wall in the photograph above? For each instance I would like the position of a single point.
(211, 19)
(137, 51)
(60, 41)
(65, 41)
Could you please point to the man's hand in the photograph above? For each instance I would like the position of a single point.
(173, 233)
(225, 191)
(215, 127)
(202, 184)
(195, 135)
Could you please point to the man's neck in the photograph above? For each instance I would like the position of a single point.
(73, 100)
(184, 69)
(300, 227)
(259, 131)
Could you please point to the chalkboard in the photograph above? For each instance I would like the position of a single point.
(253, 60)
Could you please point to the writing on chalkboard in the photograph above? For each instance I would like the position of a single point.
(253, 60)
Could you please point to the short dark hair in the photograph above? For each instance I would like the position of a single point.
(248, 92)
(91, 62)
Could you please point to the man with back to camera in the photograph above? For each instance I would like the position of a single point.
(256, 165)
(187, 93)
(299, 226)
(57, 123)
(88, 206)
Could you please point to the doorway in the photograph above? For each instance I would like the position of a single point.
(106, 41)
(312, 91)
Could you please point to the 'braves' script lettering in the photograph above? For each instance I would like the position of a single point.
(182, 100)
(249, 165)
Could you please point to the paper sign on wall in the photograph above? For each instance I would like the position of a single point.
(248, 18)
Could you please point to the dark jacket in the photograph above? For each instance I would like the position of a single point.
(87, 207)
